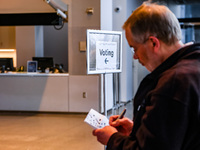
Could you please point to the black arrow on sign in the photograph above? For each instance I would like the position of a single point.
(106, 61)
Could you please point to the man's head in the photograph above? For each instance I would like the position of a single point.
(154, 20)
(149, 28)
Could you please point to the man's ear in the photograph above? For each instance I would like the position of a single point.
(155, 43)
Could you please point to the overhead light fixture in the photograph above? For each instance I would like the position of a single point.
(7, 50)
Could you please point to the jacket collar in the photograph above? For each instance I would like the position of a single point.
(182, 53)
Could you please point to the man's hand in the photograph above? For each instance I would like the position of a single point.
(104, 134)
(123, 125)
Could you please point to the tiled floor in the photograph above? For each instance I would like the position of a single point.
(39, 131)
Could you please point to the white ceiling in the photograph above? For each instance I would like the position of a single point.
(24, 6)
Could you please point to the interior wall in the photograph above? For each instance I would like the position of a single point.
(24, 6)
(7, 37)
(25, 44)
(119, 17)
(79, 22)
(132, 71)
(56, 44)
(39, 41)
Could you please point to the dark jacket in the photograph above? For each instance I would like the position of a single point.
(166, 107)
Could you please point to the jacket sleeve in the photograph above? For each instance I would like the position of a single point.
(165, 121)
(161, 128)
(119, 142)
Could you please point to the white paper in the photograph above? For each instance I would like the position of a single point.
(96, 120)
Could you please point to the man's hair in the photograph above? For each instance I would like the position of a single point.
(154, 20)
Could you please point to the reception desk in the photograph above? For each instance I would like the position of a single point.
(56, 92)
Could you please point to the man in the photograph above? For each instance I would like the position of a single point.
(167, 103)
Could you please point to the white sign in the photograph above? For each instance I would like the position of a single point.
(106, 57)
(104, 51)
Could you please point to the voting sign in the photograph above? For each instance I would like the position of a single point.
(104, 51)
(106, 55)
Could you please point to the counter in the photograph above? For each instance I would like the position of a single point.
(33, 74)
(52, 92)
(34, 92)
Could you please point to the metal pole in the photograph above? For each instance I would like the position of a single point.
(104, 94)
